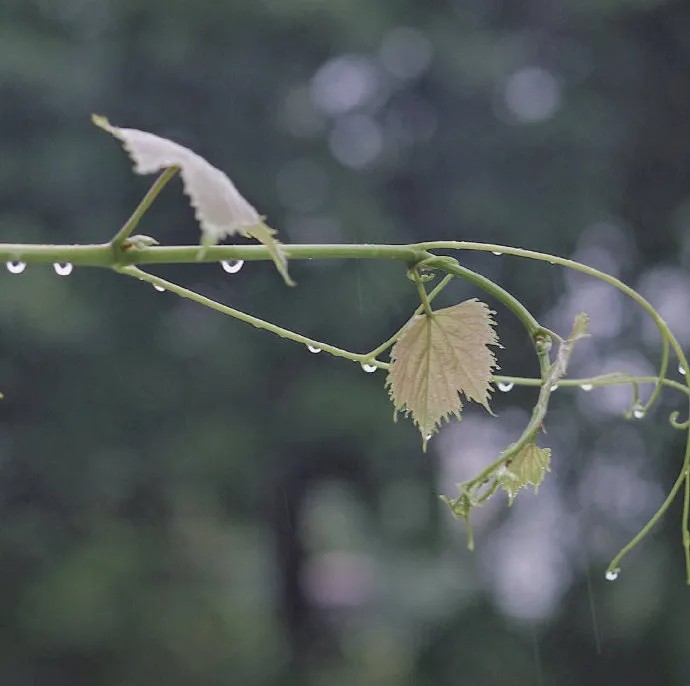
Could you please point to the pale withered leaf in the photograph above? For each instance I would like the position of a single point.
(437, 358)
(219, 207)
(527, 468)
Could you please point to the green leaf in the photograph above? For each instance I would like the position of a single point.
(266, 235)
(527, 468)
(220, 209)
(437, 358)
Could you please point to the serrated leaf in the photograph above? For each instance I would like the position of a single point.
(439, 357)
(527, 468)
(219, 207)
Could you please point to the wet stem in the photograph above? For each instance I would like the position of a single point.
(111, 255)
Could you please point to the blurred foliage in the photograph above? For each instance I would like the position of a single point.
(186, 500)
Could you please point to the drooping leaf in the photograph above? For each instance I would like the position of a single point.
(219, 207)
(439, 357)
(266, 235)
(527, 468)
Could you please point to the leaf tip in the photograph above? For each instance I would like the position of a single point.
(101, 122)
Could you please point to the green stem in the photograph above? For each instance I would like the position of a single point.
(615, 379)
(247, 318)
(101, 255)
(426, 306)
(158, 185)
(451, 266)
(615, 563)
(666, 335)
(550, 379)
(665, 332)
(430, 298)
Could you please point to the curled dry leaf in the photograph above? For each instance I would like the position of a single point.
(437, 358)
(219, 207)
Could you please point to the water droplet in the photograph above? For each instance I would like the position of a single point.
(587, 386)
(612, 574)
(160, 289)
(15, 267)
(232, 266)
(682, 369)
(428, 437)
(505, 386)
(496, 252)
(638, 412)
(369, 368)
(554, 387)
(313, 349)
(63, 268)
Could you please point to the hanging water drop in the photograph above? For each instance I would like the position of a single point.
(428, 437)
(587, 386)
(63, 268)
(638, 412)
(368, 367)
(554, 387)
(496, 252)
(160, 289)
(15, 267)
(313, 349)
(232, 266)
(682, 370)
(612, 574)
(505, 386)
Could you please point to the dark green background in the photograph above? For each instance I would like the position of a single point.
(187, 500)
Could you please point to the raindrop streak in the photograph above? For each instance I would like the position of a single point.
(638, 413)
(63, 268)
(368, 368)
(587, 387)
(505, 386)
(15, 267)
(593, 612)
(160, 289)
(612, 574)
(496, 252)
(313, 349)
(682, 370)
(232, 266)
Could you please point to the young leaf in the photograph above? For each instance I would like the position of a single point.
(219, 208)
(438, 357)
(528, 467)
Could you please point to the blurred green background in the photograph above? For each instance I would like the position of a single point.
(187, 500)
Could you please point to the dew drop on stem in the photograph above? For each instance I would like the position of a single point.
(682, 370)
(554, 387)
(313, 349)
(586, 386)
(15, 267)
(232, 266)
(505, 386)
(496, 252)
(160, 289)
(63, 268)
(638, 412)
(368, 367)
(612, 574)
